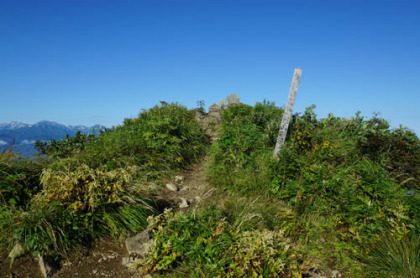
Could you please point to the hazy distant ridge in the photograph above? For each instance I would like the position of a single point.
(25, 135)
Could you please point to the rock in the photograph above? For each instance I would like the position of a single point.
(67, 264)
(210, 122)
(184, 203)
(16, 252)
(335, 274)
(129, 262)
(125, 261)
(214, 115)
(47, 265)
(135, 245)
(232, 99)
(95, 271)
(171, 187)
(221, 102)
(199, 115)
(185, 188)
(214, 108)
(179, 179)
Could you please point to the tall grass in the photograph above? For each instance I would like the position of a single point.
(393, 258)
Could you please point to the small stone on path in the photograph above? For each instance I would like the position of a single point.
(184, 203)
(171, 187)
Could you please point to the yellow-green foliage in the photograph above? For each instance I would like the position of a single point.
(260, 253)
(85, 188)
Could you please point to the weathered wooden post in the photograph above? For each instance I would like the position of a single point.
(287, 111)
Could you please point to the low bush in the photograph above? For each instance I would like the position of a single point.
(19, 179)
(71, 145)
(75, 207)
(208, 243)
(166, 137)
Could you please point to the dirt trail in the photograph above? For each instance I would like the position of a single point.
(192, 191)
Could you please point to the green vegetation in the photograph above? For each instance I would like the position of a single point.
(342, 195)
(215, 243)
(19, 179)
(65, 147)
(347, 180)
(90, 187)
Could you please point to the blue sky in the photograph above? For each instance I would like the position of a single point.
(88, 62)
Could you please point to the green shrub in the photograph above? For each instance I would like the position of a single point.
(19, 179)
(166, 137)
(66, 147)
(86, 189)
(190, 240)
(260, 254)
(241, 156)
(110, 202)
(41, 229)
(210, 244)
(75, 207)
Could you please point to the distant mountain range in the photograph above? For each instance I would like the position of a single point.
(25, 135)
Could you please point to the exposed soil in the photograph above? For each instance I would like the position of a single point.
(23, 267)
(194, 189)
(102, 260)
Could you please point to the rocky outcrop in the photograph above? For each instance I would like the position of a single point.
(136, 248)
(16, 252)
(210, 122)
(135, 245)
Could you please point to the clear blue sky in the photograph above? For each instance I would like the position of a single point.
(87, 62)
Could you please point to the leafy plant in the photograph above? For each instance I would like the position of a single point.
(209, 243)
(19, 179)
(66, 147)
(163, 137)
